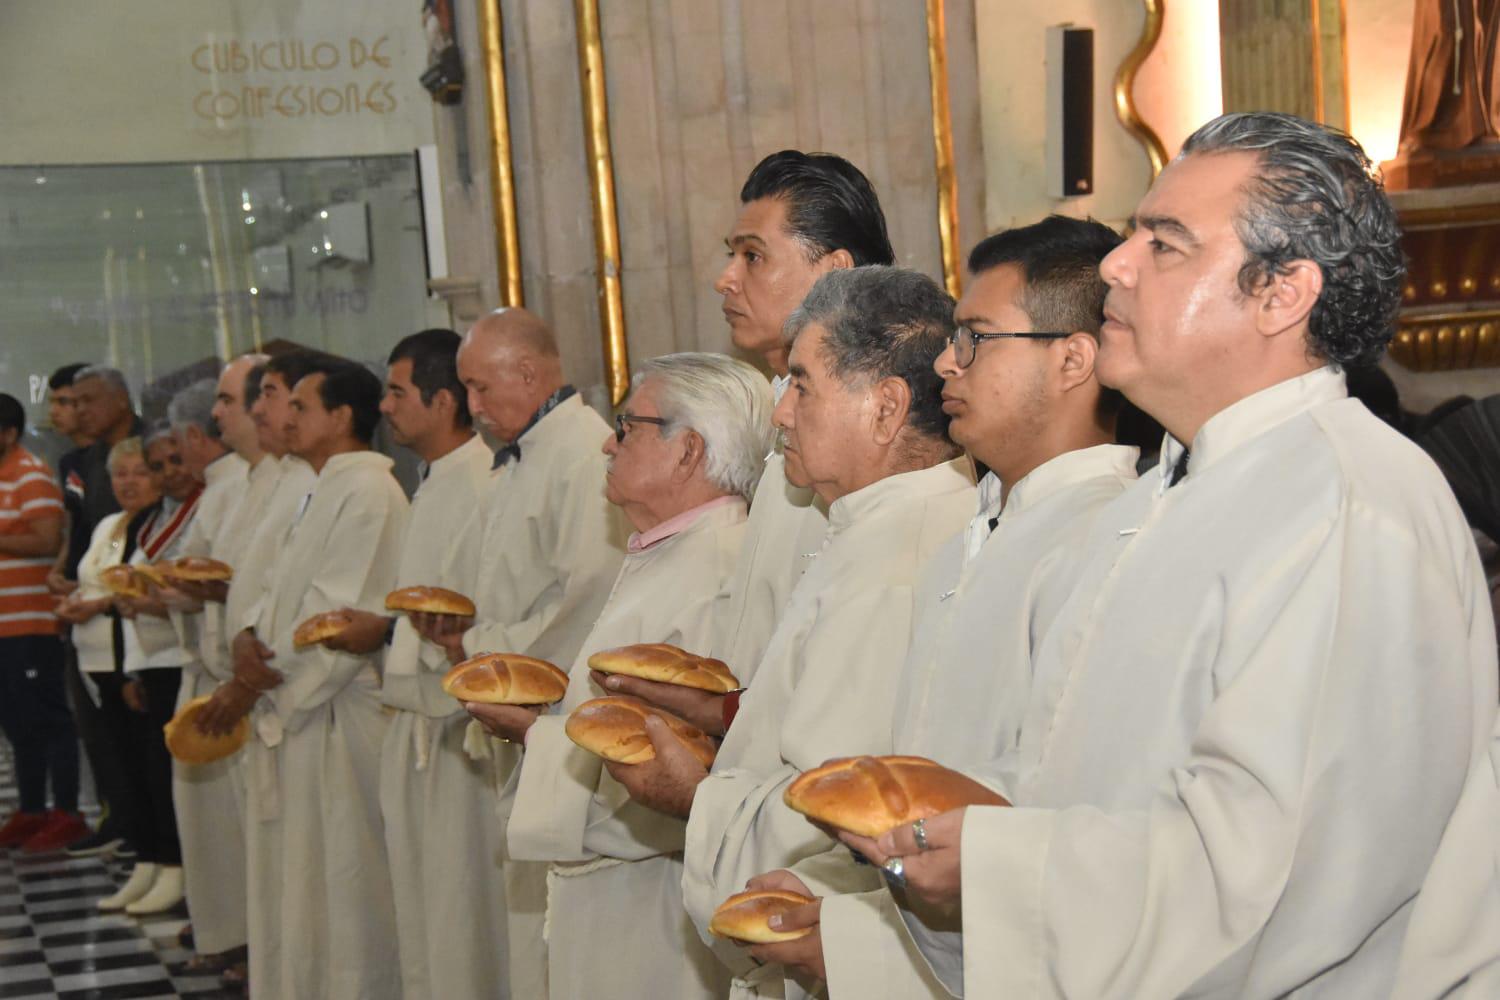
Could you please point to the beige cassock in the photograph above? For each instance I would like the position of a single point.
(552, 546)
(982, 606)
(787, 524)
(327, 926)
(440, 833)
(615, 863)
(1452, 947)
(153, 642)
(210, 818)
(825, 688)
(1248, 726)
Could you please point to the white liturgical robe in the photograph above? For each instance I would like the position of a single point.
(1248, 726)
(982, 606)
(616, 863)
(551, 548)
(322, 923)
(210, 820)
(437, 802)
(824, 688)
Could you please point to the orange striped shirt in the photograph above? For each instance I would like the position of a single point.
(28, 492)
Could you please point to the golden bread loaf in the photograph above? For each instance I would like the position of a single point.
(153, 573)
(614, 728)
(320, 628)
(506, 679)
(198, 569)
(433, 600)
(191, 745)
(123, 581)
(870, 795)
(666, 664)
(744, 916)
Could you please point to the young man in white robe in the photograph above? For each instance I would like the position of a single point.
(688, 447)
(1252, 719)
(550, 548)
(1019, 385)
(322, 921)
(865, 430)
(440, 833)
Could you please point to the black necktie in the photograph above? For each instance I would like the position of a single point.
(507, 453)
(1179, 470)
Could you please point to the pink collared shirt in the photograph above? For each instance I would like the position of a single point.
(643, 540)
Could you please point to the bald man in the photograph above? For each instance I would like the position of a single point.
(551, 546)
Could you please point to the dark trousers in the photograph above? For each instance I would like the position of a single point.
(104, 763)
(35, 716)
(144, 802)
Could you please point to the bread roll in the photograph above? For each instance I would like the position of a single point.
(123, 581)
(506, 679)
(198, 569)
(433, 600)
(153, 573)
(320, 628)
(190, 745)
(744, 916)
(666, 664)
(615, 729)
(870, 795)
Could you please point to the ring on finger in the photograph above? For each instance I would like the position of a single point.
(919, 833)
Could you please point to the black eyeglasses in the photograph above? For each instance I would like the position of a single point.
(966, 342)
(621, 419)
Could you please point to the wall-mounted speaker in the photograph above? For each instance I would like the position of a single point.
(1070, 111)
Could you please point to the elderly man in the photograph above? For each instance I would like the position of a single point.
(687, 450)
(440, 831)
(1020, 386)
(551, 545)
(1252, 720)
(209, 798)
(865, 430)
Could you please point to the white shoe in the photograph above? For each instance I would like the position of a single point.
(166, 892)
(139, 883)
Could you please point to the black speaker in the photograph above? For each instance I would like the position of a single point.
(1070, 111)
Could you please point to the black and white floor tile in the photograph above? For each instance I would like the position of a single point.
(54, 942)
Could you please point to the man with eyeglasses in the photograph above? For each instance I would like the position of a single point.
(550, 547)
(1024, 402)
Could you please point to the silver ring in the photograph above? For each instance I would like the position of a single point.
(895, 871)
(919, 833)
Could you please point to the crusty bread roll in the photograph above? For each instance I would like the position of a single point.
(191, 745)
(870, 795)
(615, 728)
(198, 569)
(659, 661)
(320, 628)
(743, 916)
(123, 581)
(506, 679)
(153, 573)
(433, 600)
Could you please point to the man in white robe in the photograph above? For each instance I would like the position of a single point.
(551, 546)
(441, 838)
(1251, 721)
(687, 451)
(1026, 405)
(865, 429)
(314, 828)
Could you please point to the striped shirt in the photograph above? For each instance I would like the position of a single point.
(28, 493)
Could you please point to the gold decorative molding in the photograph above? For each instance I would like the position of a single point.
(602, 191)
(942, 144)
(502, 176)
(1440, 343)
(1125, 109)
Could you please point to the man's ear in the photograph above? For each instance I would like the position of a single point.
(838, 260)
(892, 400)
(694, 452)
(526, 368)
(344, 419)
(1080, 351)
(1287, 298)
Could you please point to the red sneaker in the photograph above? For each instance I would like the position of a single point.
(60, 830)
(21, 826)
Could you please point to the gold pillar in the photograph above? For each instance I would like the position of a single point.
(502, 177)
(1125, 80)
(942, 142)
(602, 192)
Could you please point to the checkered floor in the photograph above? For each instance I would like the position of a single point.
(54, 942)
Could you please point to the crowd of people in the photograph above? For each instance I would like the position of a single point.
(1233, 709)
